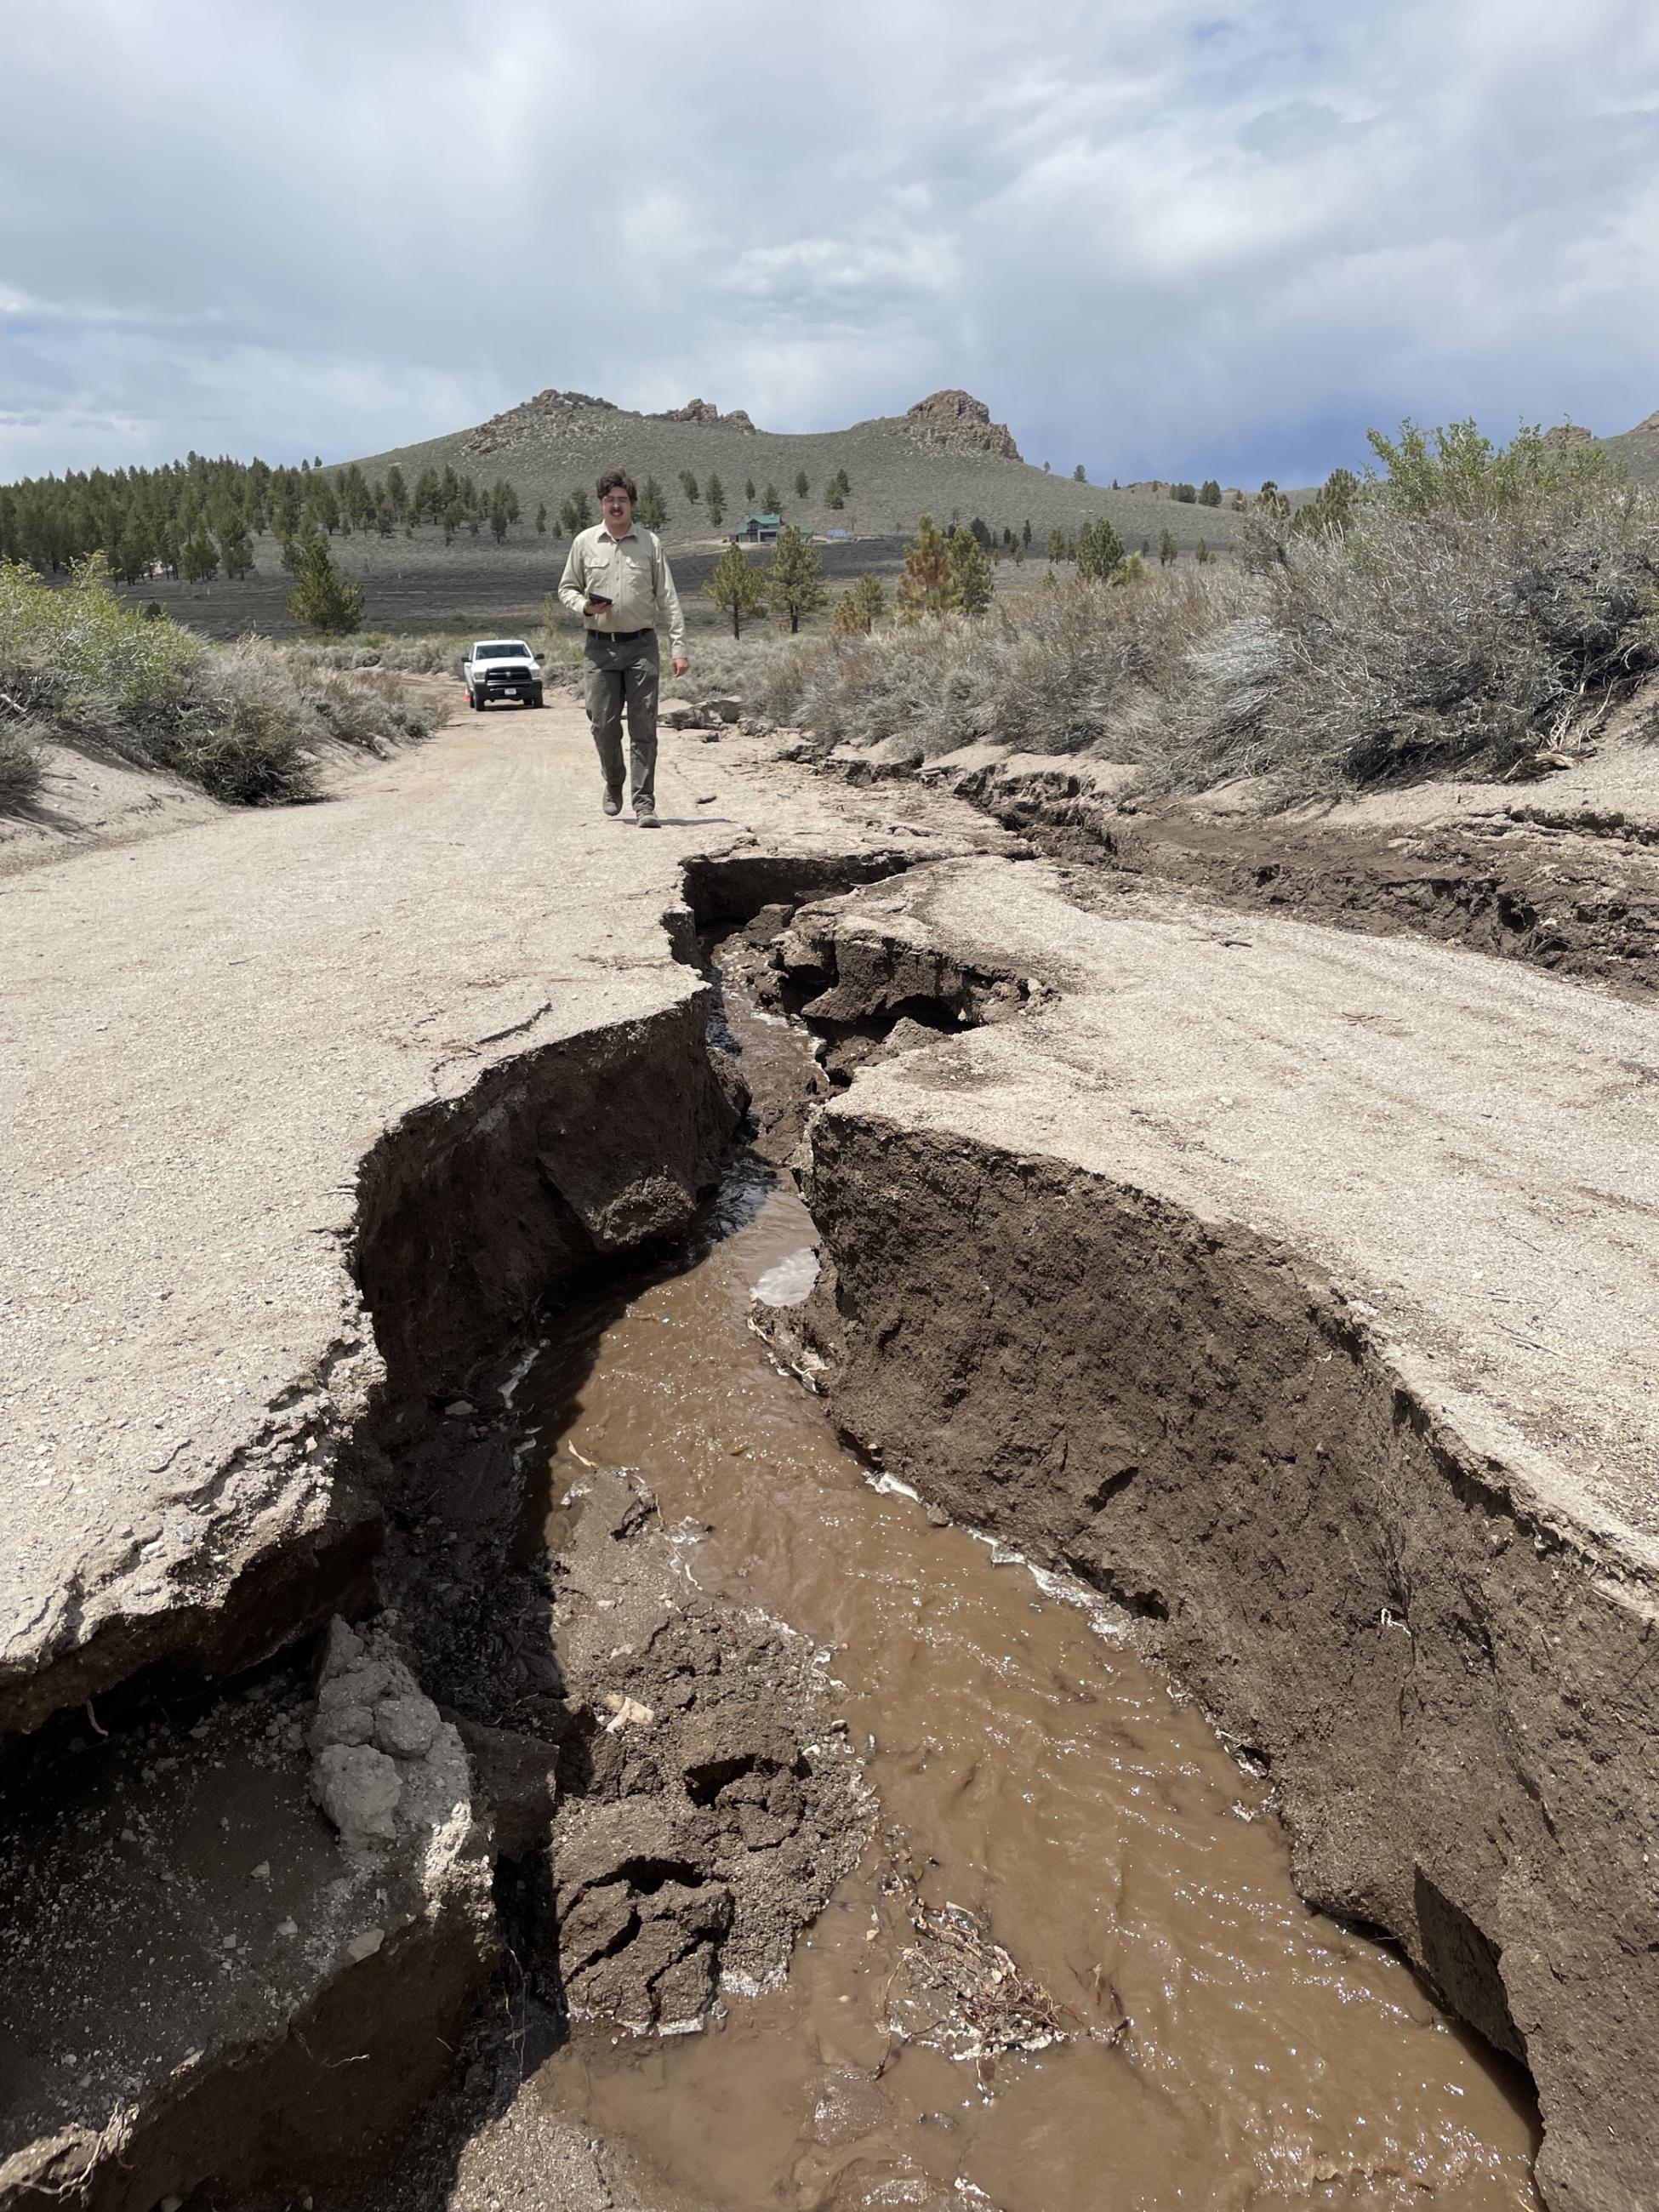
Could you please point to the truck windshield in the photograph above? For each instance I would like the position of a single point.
(512, 651)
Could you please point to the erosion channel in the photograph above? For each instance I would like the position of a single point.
(1064, 1965)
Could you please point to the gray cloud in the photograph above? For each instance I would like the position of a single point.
(1154, 238)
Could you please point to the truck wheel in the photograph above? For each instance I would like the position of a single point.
(536, 699)
(479, 701)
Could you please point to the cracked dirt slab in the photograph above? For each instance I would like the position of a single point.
(205, 1036)
(1560, 871)
(1298, 1288)
(1470, 1148)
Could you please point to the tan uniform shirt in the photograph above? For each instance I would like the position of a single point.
(632, 571)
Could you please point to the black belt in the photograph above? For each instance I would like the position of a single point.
(620, 636)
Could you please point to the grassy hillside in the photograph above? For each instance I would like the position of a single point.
(546, 450)
(1637, 451)
(895, 478)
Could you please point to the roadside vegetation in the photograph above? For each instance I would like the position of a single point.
(79, 664)
(1465, 604)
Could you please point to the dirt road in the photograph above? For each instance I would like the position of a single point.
(1292, 1287)
(206, 1036)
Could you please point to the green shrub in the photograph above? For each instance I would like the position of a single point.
(20, 765)
(241, 720)
(1475, 605)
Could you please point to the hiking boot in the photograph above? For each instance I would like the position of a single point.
(612, 801)
(646, 817)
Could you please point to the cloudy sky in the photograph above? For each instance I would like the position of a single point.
(1156, 237)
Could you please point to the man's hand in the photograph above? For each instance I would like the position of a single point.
(592, 607)
(681, 664)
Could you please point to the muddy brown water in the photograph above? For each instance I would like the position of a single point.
(1225, 2047)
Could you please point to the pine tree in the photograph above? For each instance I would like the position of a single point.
(541, 519)
(132, 555)
(1166, 548)
(1209, 493)
(748, 491)
(1099, 549)
(200, 557)
(396, 491)
(843, 483)
(498, 516)
(1202, 554)
(576, 514)
(772, 500)
(453, 516)
(1025, 536)
(737, 588)
(832, 495)
(795, 579)
(971, 580)
(924, 588)
(1079, 474)
(803, 483)
(652, 508)
(859, 607)
(321, 598)
(234, 550)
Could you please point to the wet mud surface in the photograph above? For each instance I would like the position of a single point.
(1071, 1966)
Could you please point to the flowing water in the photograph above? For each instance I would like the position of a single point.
(1225, 2046)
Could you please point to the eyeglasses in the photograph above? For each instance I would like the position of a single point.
(616, 499)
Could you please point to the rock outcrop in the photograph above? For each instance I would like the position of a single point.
(956, 422)
(550, 408)
(707, 415)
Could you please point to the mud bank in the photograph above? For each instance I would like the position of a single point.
(1421, 1617)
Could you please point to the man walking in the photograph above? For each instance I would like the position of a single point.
(617, 581)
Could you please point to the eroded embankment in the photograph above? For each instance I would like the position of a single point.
(202, 1978)
(1449, 1676)
(1572, 889)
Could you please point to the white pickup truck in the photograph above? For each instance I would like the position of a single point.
(501, 668)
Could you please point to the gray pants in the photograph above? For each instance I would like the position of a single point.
(618, 677)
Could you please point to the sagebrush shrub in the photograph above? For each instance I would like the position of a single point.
(241, 720)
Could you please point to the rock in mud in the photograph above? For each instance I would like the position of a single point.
(272, 1949)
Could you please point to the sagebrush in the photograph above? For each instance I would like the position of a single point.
(1490, 603)
(244, 720)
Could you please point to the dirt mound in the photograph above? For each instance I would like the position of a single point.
(715, 1802)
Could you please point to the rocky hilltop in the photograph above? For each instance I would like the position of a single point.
(956, 422)
(549, 409)
(705, 412)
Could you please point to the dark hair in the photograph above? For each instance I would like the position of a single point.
(618, 479)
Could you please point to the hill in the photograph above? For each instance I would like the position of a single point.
(944, 456)
(1638, 450)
